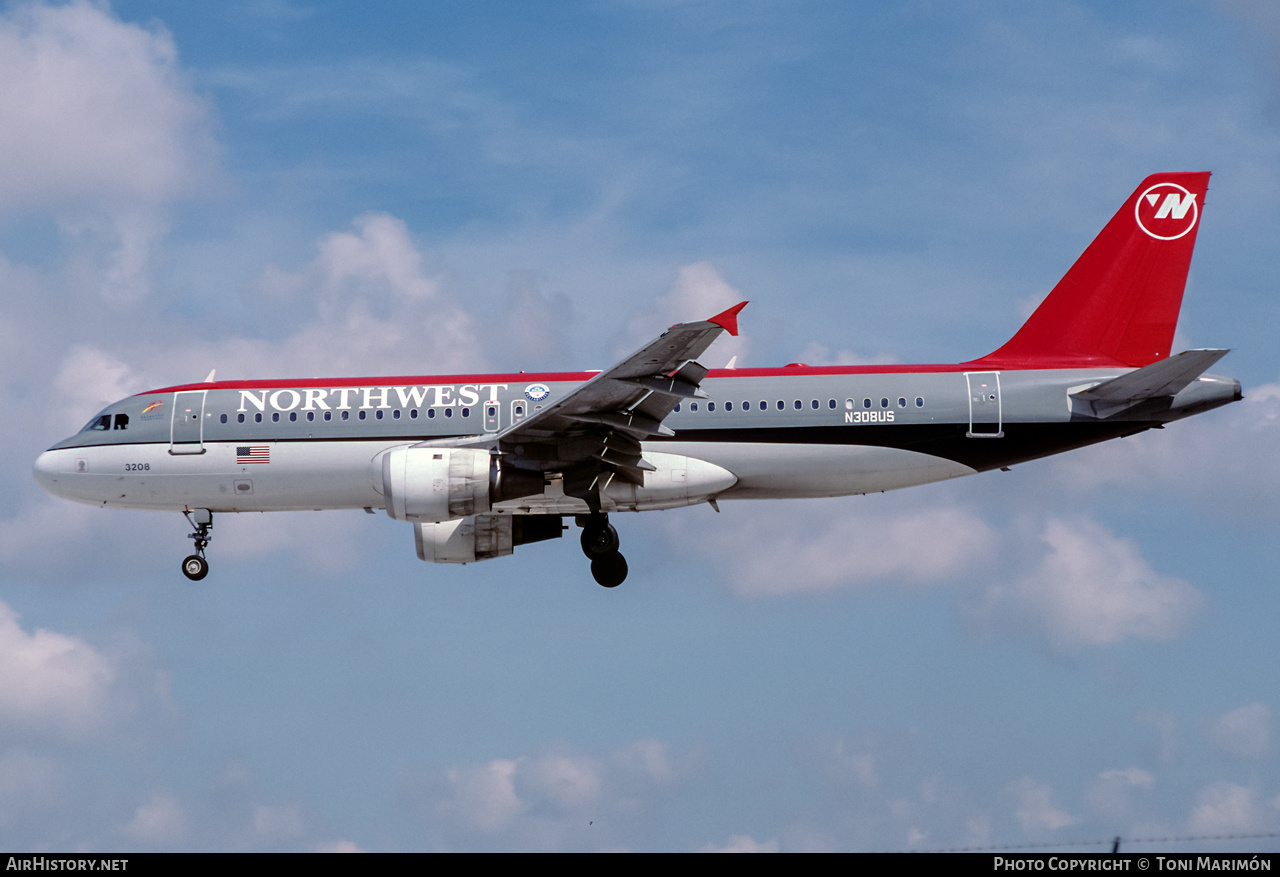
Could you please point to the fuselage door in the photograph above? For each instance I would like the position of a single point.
(186, 431)
(518, 410)
(492, 415)
(985, 415)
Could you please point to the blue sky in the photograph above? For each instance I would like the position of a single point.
(1077, 649)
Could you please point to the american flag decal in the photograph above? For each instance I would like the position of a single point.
(253, 454)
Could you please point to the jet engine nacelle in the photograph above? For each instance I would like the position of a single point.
(482, 537)
(444, 484)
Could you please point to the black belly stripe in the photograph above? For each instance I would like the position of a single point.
(1021, 441)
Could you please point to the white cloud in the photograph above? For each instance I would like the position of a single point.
(1112, 792)
(553, 800)
(1035, 808)
(95, 110)
(1090, 588)
(1223, 458)
(364, 305)
(161, 820)
(484, 796)
(699, 292)
(51, 681)
(819, 354)
(778, 549)
(101, 129)
(1245, 732)
(378, 310)
(564, 782)
(646, 758)
(742, 843)
(277, 823)
(87, 381)
(860, 765)
(324, 542)
(1225, 808)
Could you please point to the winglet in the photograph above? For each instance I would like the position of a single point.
(728, 319)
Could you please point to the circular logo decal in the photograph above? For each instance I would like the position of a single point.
(537, 392)
(1166, 211)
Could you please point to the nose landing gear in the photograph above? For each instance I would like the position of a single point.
(195, 567)
(600, 544)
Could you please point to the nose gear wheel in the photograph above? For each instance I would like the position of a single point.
(194, 566)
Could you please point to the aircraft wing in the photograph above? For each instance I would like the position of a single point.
(593, 434)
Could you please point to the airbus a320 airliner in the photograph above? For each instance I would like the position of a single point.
(479, 464)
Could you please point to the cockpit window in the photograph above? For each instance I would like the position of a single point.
(103, 422)
(122, 421)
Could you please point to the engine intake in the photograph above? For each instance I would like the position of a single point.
(431, 485)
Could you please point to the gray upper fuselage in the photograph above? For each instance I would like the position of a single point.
(846, 406)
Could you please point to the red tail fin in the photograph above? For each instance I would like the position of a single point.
(1118, 305)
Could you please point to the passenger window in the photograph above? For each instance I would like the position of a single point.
(848, 404)
(799, 405)
(122, 421)
(413, 414)
(902, 402)
(466, 412)
(346, 415)
(293, 416)
(378, 414)
(431, 412)
(328, 415)
(311, 415)
(919, 401)
(363, 415)
(223, 418)
(257, 418)
(884, 403)
(781, 404)
(832, 404)
(764, 406)
(728, 406)
(239, 418)
(815, 404)
(677, 408)
(275, 418)
(693, 406)
(711, 406)
(448, 412)
(866, 403)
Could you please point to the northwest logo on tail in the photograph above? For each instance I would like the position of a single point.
(1166, 211)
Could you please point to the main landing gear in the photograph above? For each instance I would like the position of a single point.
(195, 567)
(600, 544)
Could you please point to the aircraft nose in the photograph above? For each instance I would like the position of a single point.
(47, 472)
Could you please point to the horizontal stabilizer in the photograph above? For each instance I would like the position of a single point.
(1167, 377)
